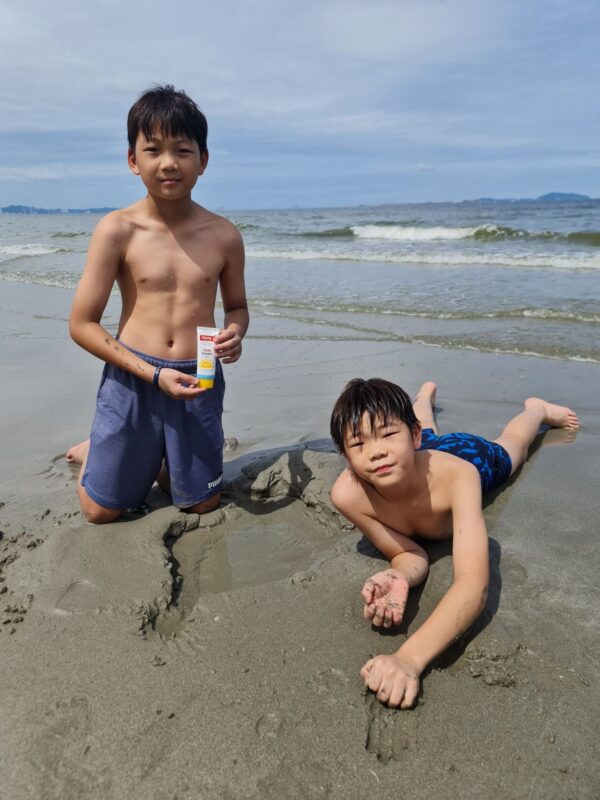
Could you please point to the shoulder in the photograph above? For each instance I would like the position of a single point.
(464, 485)
(448, 469)
(347, 492)
(116, 227)
(222, 228)
(450, 478)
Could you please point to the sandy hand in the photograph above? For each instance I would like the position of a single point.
(385, 596)
(394, 679)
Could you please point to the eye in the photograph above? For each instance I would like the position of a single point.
(355, 444)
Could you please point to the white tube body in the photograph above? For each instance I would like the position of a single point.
(207, 360)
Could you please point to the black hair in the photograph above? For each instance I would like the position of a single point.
(171, 111)
(383, 401)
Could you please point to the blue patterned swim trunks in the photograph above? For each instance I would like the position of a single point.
(491, 460)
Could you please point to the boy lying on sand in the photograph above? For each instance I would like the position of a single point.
(404, 479)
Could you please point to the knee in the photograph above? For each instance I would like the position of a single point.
(100, 516)
(206, 505)
(94, 513)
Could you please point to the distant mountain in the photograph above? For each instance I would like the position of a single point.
(562, 197)
(550, 197)
(34, 210)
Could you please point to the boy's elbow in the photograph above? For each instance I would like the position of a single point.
(74, 330)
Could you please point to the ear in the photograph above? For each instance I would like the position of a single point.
(132, 163)
(417, 439)
(203, 162)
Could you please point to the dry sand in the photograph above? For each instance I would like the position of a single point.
(170, 656)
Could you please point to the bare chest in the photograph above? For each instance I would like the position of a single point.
(421, 516)
(167, 264)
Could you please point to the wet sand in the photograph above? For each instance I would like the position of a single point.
(176, 656)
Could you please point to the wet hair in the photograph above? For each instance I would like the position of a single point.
(383, 402)
(171, 111)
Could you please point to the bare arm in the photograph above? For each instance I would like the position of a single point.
(385, 593)
(396, 677)
(235, 306)
(105, 255)
(406, 556)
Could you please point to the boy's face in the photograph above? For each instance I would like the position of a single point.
(169, 166)
(382, 456)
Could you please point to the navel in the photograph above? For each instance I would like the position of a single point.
(170, 343)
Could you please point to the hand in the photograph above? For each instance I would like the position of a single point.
(178, 385)
(228, 346)
(385, 596)
(393, 678)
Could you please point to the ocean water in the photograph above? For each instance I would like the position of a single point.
(508, 277)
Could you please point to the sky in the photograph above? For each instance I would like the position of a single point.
(309, 103)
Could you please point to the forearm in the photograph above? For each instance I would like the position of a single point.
(414, 566)
(456, 611)
(237, 319)
(98, 341)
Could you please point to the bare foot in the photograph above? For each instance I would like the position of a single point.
(385, 596)
(556, 416)
(77, 453)
(424, 404)
(428, 392)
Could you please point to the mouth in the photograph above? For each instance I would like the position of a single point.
(382, 470)
(169, 181)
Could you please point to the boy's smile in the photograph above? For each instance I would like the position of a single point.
(168, 165)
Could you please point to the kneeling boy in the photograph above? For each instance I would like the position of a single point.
(404, 479)
(168, 256)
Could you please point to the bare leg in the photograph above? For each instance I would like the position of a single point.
(424, 404)
(520, 432)
(93, 512)
(204, 506)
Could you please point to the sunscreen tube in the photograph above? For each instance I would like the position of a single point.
(205, 369)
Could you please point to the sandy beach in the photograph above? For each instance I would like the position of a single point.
(173, 657)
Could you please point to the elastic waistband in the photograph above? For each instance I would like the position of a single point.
(183, 365)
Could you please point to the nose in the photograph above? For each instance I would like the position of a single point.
(377, 449)
(169, 160)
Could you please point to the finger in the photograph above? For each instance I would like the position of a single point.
(374, 679)
(369, 611)
(410, 695)
(365, 669)
(397, 694)
(396, 616)
(378, 589)
(388, 617)
(383, 693)
(378, 616)
(367, 591)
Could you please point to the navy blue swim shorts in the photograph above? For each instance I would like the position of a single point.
(136, 426)
(491, 459)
